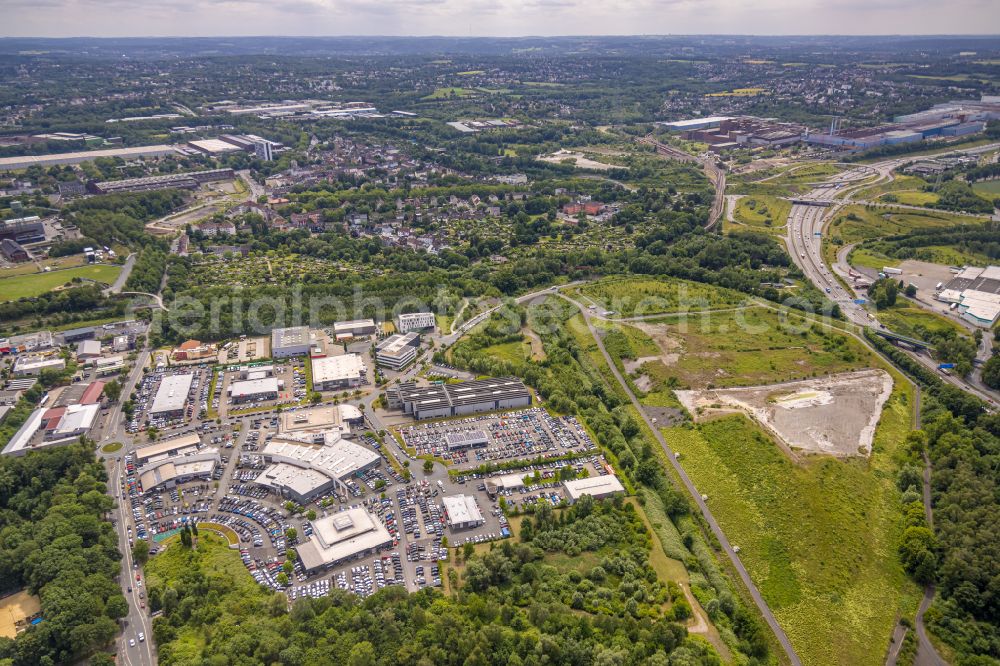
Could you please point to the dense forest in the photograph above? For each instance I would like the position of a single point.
(55, 543)
(962, 442)
(974, 239)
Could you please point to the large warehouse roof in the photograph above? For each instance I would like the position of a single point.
(346, 367)
(12, 163)
(251, 387)
(290, 337)
(172, 394)
(338, 460)
(167, 447)
(598, 486)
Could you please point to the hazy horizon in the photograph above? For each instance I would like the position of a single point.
(494, 18)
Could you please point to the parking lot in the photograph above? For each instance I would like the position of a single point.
(525, 433)
(412, 511)
(290, 374)
(145, 390)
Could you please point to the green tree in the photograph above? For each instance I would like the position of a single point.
(428, 466)
(140, 552)
(362, 654)
(116, 607)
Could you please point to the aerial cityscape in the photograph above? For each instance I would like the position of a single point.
(499, 342)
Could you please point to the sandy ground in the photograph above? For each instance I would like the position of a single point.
(16, 607)
(834, 415)
(581, 161)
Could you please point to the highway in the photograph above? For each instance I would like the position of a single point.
(806, 223)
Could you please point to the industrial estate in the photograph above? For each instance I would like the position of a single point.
(660, 350)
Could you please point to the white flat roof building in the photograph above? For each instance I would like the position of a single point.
(333, 372)
(19, 443)
(354, 328)
(294, 341)
(262, 388)
(172, 395)
(695, 123)
(415, 321)
(183, 445)
(463, 512)
(172, 471)
(13, 163)
(339, 459)
(298, 483)
(76, 420)
(343, 536)
(88, 349)
(213, 146)
(31, 366)
(595, 486)
(328, 417)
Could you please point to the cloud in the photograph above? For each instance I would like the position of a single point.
(492, 17)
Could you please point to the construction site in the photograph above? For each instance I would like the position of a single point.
(834, 415)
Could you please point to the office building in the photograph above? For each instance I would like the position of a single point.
(463, 512)
(341, 537)
(338, 372)
(288, 342)
(443, 400)
(171, 397)
(397, 351)
(263, 150)
(414, 321)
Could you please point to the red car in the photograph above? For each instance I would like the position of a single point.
(137, 576)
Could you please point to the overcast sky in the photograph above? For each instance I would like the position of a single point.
(119, 18)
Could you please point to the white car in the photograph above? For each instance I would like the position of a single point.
(142, 637)
(131, 642)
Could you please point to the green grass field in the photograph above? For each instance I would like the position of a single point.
(447, 93)
(763, 211)
(640, 296)
(911, 197)
(818, 538)
(899, 183)
(35, 284)
(856, 222)
(916, 322)
(736, 348)
(988, 189)
(866, 258)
